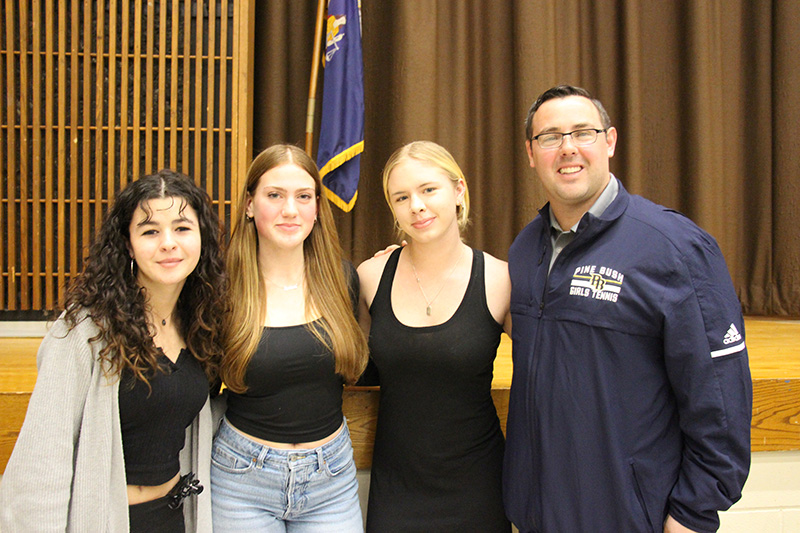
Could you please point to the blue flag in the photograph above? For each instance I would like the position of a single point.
(341, 134)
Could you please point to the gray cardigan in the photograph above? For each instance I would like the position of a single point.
(67, 472)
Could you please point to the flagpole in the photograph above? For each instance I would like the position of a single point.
(312, 86)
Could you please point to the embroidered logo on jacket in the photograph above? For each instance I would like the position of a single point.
(599, 283)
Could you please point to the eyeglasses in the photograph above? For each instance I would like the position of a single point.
(583, 137)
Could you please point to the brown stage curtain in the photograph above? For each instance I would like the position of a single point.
(703, 94)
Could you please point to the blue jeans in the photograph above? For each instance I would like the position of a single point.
(258, 488)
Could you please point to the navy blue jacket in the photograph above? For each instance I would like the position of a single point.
(631, 396)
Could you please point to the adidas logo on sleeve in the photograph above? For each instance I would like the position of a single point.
(732, 336)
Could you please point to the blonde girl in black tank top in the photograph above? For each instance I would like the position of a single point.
(436, 309)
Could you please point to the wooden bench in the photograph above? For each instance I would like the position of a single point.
(773, 346)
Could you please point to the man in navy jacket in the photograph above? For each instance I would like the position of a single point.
(631, 397)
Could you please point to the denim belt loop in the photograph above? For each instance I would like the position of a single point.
(262, 456)
(320, 458)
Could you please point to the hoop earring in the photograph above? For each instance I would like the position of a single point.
(132, 274)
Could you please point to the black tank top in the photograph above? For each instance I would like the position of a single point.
(438, 453)
(154, 422)
(293, 391)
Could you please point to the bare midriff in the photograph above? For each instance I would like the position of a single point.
(291, 445)
(147, 493)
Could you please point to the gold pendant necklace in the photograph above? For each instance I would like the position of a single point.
(416, 277)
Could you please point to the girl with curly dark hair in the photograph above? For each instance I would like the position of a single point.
(121, 404)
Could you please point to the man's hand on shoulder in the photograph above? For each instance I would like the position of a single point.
(389, 249)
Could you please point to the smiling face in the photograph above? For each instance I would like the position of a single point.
(573, 176)
(424, 199)
(165, 242)
(283, 206)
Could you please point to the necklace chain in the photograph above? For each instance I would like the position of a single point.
(291, 287)
(164, 320)
(416, 277)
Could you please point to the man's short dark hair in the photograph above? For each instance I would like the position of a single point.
(562, 91)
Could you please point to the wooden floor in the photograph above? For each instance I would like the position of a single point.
(773, 347)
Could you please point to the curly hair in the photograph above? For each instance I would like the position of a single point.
(107, 290)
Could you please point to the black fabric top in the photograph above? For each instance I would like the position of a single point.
(154, 423)
(293, 392)
(438, 453)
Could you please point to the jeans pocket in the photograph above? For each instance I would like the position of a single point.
(340, 461)
(229, 461)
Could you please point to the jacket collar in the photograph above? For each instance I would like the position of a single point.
(591, 223)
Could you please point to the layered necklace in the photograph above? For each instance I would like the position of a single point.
(425, 296)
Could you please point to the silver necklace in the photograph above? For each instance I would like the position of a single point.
(416, 277)
(164, 320)
(291, 287)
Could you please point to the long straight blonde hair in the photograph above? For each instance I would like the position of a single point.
(327, 289)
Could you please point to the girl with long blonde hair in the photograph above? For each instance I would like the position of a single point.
(282, 459)
(435, 310)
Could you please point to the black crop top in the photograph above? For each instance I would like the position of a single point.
(154, 423)
(293, 393)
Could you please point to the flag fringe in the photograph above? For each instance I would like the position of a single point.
(338, 202)
(341, 158)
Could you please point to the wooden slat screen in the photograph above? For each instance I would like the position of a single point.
(96, 95)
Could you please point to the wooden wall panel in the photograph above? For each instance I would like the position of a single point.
(98, 94)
